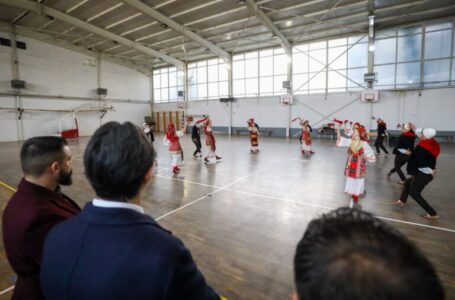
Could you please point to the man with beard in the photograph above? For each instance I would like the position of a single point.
(36, 207)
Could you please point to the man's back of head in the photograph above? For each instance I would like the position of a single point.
(351, 255)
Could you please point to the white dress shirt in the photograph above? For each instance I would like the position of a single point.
(116, 204)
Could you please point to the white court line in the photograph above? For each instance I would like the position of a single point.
(7, 290)
(204, 196)
(187, 181)
(305, 204)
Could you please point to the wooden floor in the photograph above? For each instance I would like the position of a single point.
(242, 218)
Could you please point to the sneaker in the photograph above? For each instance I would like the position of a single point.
(389, 174)
(399, 203)
(430, 217)
(352, 204)
(312, 152)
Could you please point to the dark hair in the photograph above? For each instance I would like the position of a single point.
(350, 254)
(38, 153)
(116, 160)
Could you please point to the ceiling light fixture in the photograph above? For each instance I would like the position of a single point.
(163, 25)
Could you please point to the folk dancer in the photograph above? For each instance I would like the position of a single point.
(379, 143)
(172, 141)
(305, 136)
(209, 140)
(359, 152)
(403, 150)
(254, 135)
(422, 167)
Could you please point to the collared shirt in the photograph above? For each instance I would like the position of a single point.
(426, 170)
(116, 204)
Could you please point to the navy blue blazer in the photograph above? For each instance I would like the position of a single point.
(118, 253)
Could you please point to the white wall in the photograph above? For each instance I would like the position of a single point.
(53, 71)
(434, 108)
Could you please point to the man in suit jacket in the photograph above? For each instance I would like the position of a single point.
(112, 249)
(36, 207)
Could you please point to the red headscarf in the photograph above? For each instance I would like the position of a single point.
(170, 133)
(362, 133)
(410, 133)
(431, 146)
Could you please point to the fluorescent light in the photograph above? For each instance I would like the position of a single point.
(288, 23)
(371, 48)
(371, 20)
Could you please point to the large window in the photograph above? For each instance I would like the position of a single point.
(260, 73)
(330, 66)
(167, 82)
(207, 79)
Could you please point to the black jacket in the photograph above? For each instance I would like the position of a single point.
(195, 133)
(405, 142)
(381, 129)
(420, 158)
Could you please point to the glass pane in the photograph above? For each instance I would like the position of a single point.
(238, 57)
(299, 63)
(192, 76)
(280, 65)
(408, 74)
(239, 69)
(213, 73)
(192, 65)
(266, 66)
(164, 95)
(300, 83)
(265, 85)
(202, 91)
(436, 70)
(338, 53)
(251, 55)
(438, 44)
(385, 33)
(155, 72)
(251, 68)
(192, 95)
(317, 82)
(180, 78)
(173, 93)
(173, 79)
(251, 87)
(409, 48)
(239, 87)
(278, 51)
(358, 56)
(213, 90)
(386, 75)
(317, 60)
(223, 72)
(300, 48)
(157, 95)
(356, 76)
(410, 30)
(358, 39)
(202, 63)
(201, 74)
(223, 89)
(337, 80)
(337, 42)
(438, 26)
(385, 51)
(318, 45)
(156, 81)
(268, 52)
(212, 62)
(278, 85)
(164, 80)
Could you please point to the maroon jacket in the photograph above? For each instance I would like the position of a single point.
(29, 216)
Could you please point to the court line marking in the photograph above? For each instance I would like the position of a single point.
(7, 290)
(315, 205)
(7, 186)
(206, 195)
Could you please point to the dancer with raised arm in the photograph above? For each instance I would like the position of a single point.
(403, 150)
(305, 136)
(359, 152)
(209, 140)
(172, 141)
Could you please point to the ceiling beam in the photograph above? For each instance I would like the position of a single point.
(49, 39)
(177, 27)
(253, 7)
(42, 9)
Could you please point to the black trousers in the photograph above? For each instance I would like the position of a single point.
(400, 160)
(414, 186)
(197, 143)
(379, 143)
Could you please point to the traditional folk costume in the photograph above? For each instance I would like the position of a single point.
(254, 135)
(403, 150)
(359, 152)
(171, 140)
(379, 143)
(421, 166)
(305, 137)
(209, 140)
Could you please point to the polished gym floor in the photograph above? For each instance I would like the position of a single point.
(242, 217)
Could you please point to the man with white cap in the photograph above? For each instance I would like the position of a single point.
(403, 150)
(422, 167)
